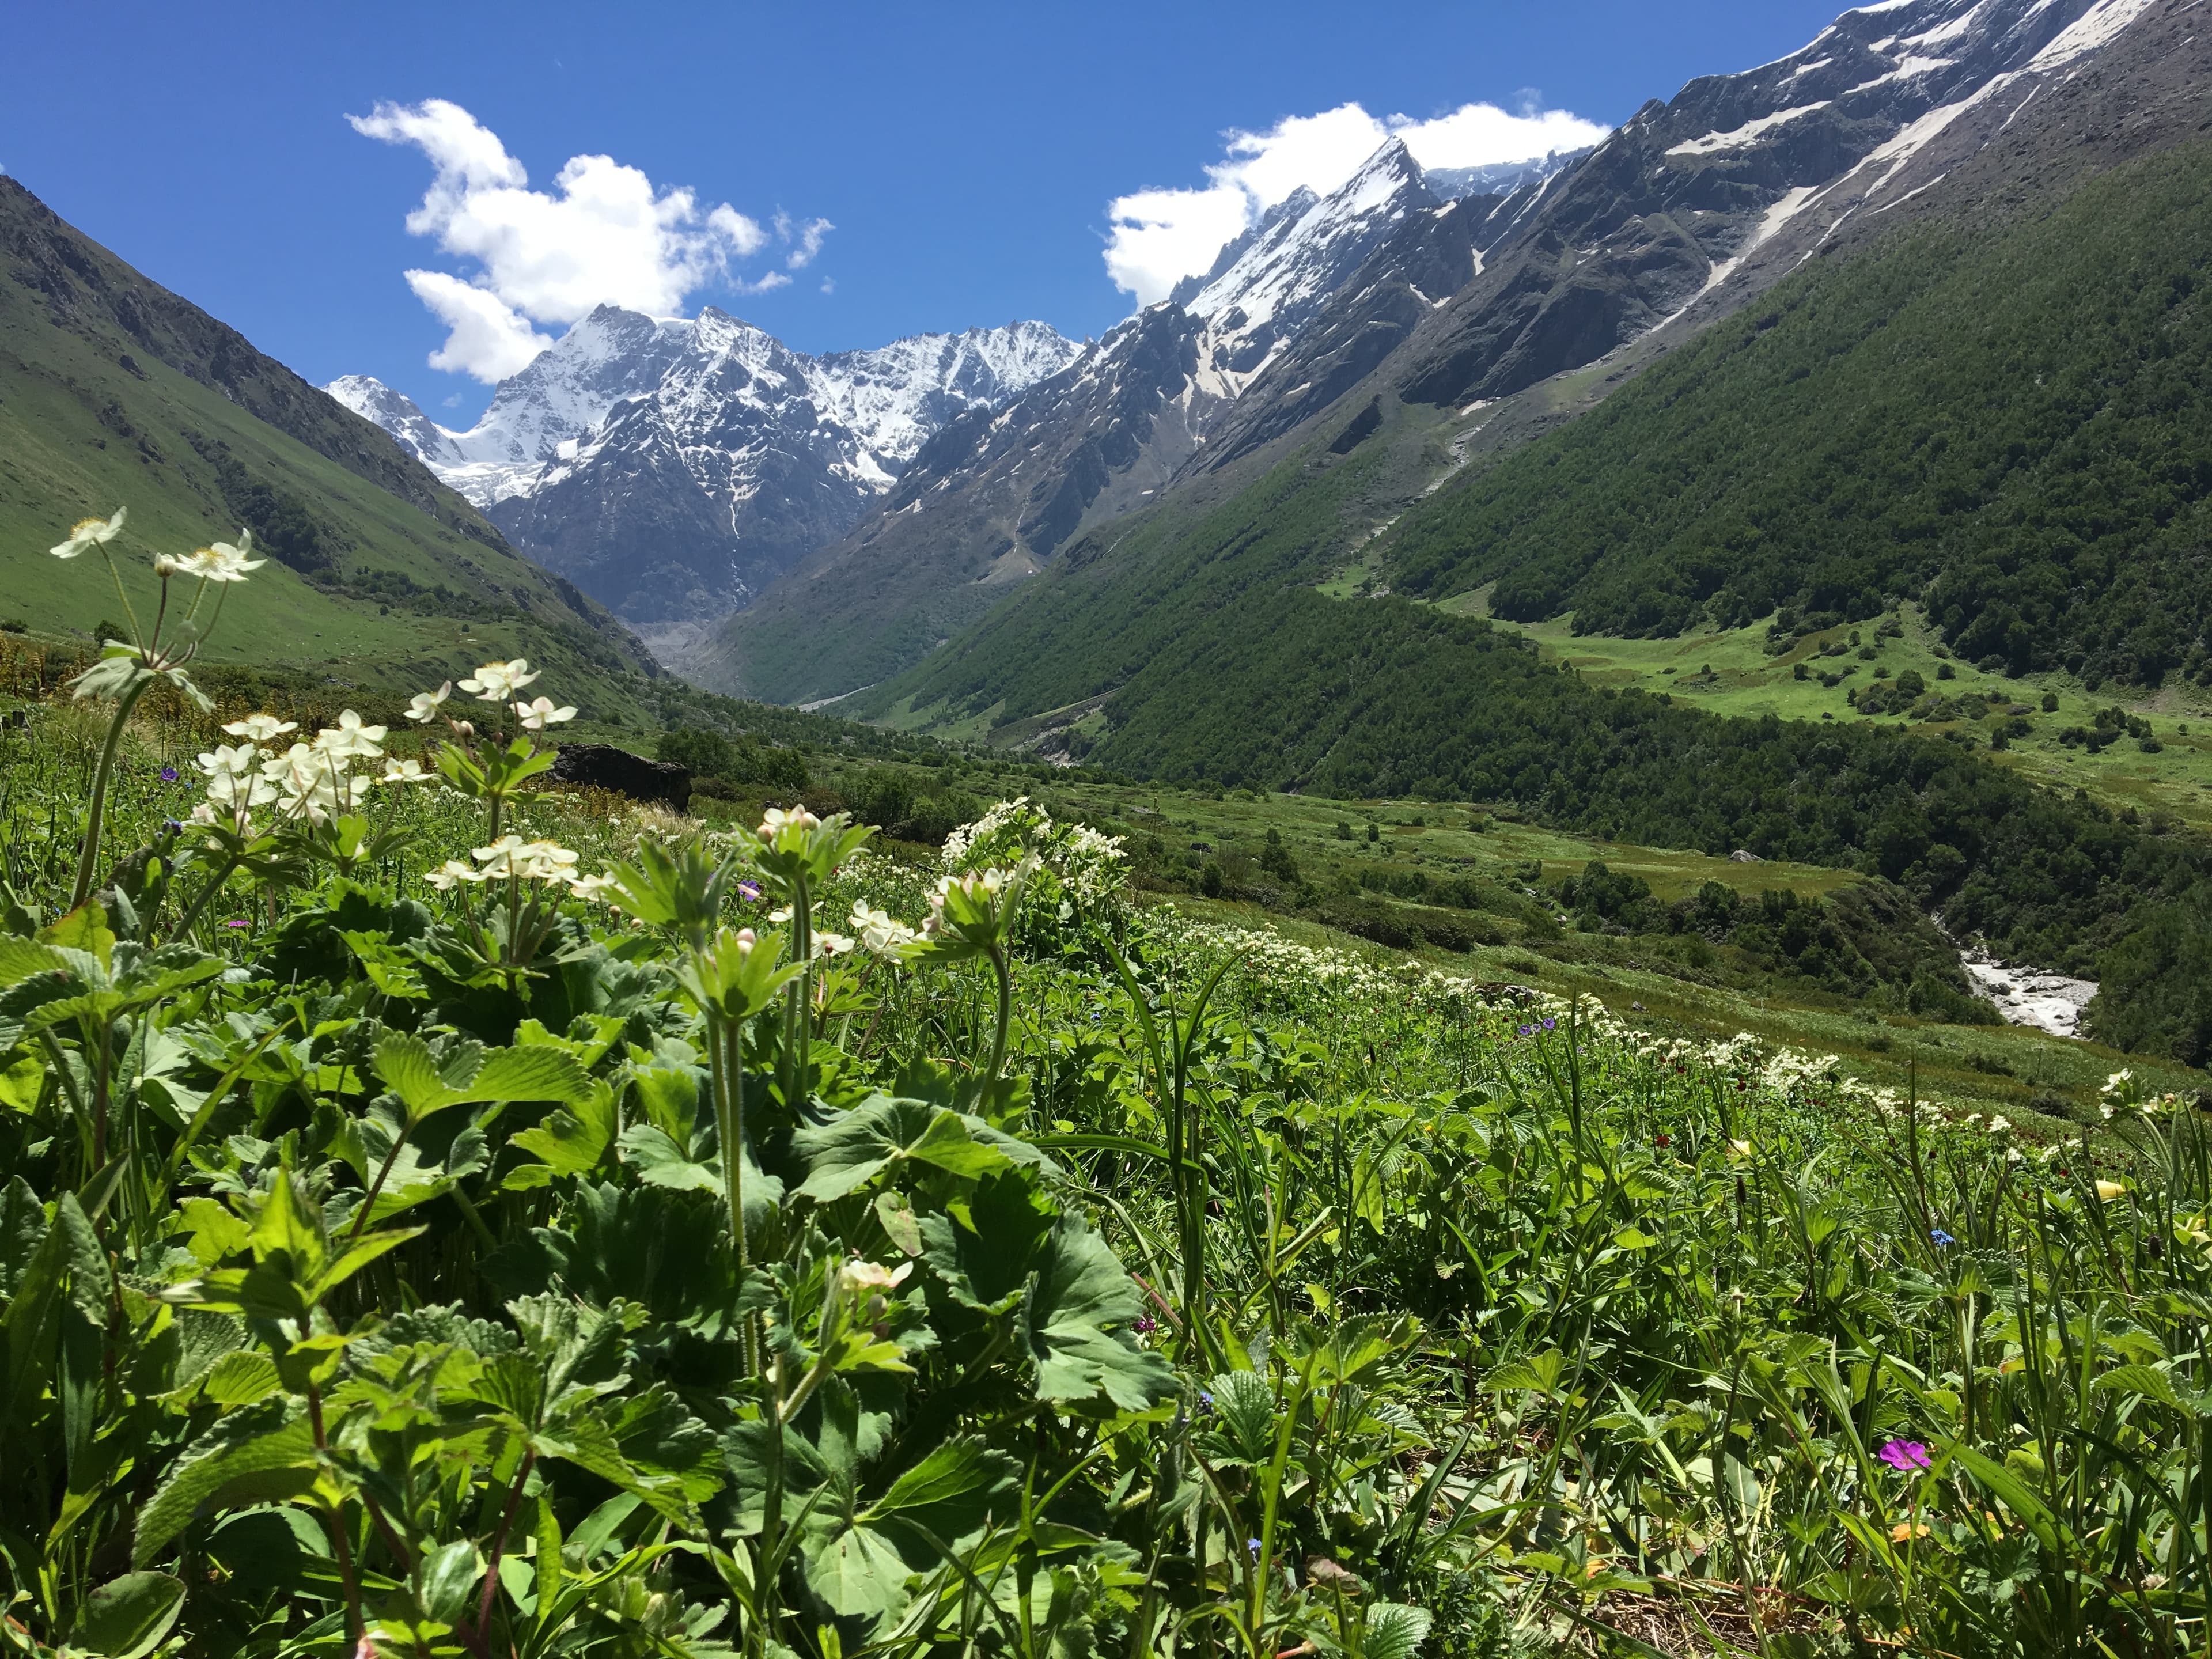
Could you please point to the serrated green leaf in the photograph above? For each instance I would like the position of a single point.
(1077, 1322)
(2149, 1381)
(574, 1139)
(1394, 1631)
(258, 1440)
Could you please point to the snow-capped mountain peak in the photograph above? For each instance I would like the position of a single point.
(683, 433)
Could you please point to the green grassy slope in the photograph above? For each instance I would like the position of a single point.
(1197, 648)
(1500, 934)
(113, 392)
(2009, 426)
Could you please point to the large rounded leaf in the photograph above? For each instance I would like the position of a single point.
(128, 1617)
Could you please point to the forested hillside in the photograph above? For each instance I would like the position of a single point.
(2011, 429)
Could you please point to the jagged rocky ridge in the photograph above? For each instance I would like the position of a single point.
(672, 467)
(1442, 289)
(1445, 288)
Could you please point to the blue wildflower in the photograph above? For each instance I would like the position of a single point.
(1940, 1239)
(168, 775)
(1253, 1545)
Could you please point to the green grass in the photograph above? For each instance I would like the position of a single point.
(2000, 1067)
(1746, 683)
(81, 434)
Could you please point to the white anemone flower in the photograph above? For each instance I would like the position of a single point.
(832, 944)
(498, 859)
(593, 887)
(537, 716)
(405, 771)
(498, 682)
(261, 728)
(424, 708)
(221, 561)
(89, 533)
(544, 861)
(352, 738)
(450, 874)
(777, 819)
(224, 761)
(879, 932)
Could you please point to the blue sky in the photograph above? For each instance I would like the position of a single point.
(966, 155)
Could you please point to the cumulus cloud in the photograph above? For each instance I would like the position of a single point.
(603, 235)
(1158, 237)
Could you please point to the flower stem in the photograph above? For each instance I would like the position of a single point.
(137, 634)
(88, 860)
(1005, 973)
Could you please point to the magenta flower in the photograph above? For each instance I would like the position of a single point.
(1904, 1455)
(235, 921)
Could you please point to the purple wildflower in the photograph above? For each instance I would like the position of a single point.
(1551, 1024)
(1525, 1030)
(168, 775)
(1204, 1400)
(1146, 1325)
(1904, 1455)
(749, 891)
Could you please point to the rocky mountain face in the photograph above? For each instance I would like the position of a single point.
(1654, 225)
(993, 498)
(673, 468)
(1445, 288)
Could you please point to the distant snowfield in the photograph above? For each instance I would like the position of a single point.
(2030, 996)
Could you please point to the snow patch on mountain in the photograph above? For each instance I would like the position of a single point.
(708, 376)
(2094, 29)
(1748, 133)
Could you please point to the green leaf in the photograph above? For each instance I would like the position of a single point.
(363, 1252)
(950, 1491)
(2009, 1490)
(85, 929)
(21, 1084)
(573, 1139)
(22, 1230)
(669, 1096)
(261, 1439)
(1394, 1631)
(861, 1574)
(1541, 1374)
(853, 1148)
(547, 1588)
(1244, 1407)
(1076, 1324)
(661, 1162)
(449, 1573)
(534, 1073)
(23, 958)
(983, 1250)
(2147, 1381)
(128, 1618)
(468, 1075)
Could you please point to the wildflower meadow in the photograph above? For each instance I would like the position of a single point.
(443, 1216)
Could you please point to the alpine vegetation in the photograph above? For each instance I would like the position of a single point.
(442, 1217)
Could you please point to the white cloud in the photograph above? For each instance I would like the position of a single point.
(808, 237)
(489, 339)
(1159, 236)
(603, 234)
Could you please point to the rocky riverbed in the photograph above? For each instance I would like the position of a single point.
(2030, 996)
